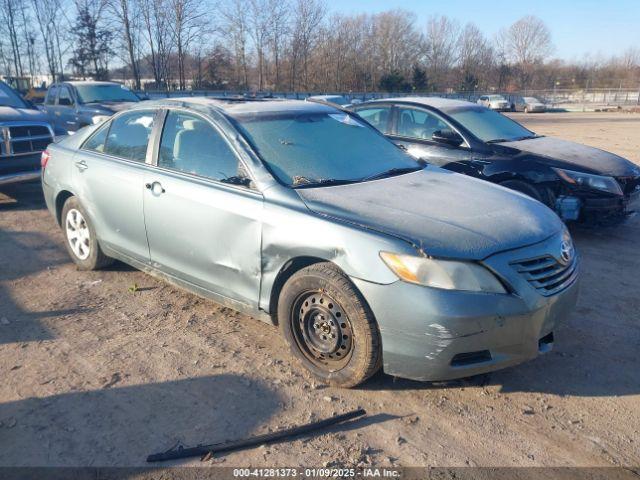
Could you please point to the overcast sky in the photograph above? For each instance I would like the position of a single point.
(578, 27)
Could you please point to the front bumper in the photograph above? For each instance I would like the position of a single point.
(603, 209)
(430, 334)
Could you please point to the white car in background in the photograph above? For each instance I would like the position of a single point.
(495, 102)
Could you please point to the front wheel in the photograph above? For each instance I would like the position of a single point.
(81, 241)
(329, 326)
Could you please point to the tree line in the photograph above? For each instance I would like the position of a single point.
(286, 45)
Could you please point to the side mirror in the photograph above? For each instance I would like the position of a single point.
(448, 137)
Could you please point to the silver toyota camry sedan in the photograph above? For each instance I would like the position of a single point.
(303, 215)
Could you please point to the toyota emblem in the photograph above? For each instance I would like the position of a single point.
(566, 251)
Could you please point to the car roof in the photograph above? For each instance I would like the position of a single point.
(435, 102)
(240, 106)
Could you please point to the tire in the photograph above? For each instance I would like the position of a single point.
(524, 187)
(328, 325)
(526, 109)
(80, 237)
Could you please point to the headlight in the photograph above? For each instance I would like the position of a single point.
(446, 274)
(99, 119)
(594, 182)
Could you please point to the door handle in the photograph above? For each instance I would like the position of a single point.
(82, 165)
(155, 187)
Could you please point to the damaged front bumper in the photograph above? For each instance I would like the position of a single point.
(597, 209)
(431, 334)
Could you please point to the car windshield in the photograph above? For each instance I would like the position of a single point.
(9, 98)
(94, 93)
(321, 148)
(489, 126)
(531, 100)
(496, 97)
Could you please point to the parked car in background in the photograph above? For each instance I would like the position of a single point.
(24, 134)
(529, 105)
(495, 102)
(302, 214)
(337, 100)
(577, 182)
(73, 105)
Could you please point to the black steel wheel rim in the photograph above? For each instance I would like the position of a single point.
(322, 330)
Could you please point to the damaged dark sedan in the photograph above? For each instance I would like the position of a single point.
(303, 215)
(578, 182)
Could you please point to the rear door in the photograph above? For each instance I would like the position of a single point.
(204, 223)
(109, 172)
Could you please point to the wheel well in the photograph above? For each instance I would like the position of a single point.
(290, 267)
(60, 200)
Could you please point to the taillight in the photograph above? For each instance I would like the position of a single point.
(44, 159)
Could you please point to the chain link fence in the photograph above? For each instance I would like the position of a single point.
(555, 99)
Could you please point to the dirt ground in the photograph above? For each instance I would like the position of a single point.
(95, 375)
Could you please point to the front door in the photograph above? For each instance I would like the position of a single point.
(414, 128)
(203, 225)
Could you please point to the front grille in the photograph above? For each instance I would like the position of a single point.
(628, 184)
(548, 275)
(23, 139)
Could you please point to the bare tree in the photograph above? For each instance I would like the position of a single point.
(45, 13)
(307, 18)
(234, 27)
(278, 33)
(186, 24)
(475, 57)
(441, 41)
(526, 43)
(159, 39)
(127, 15)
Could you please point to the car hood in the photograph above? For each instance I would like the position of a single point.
(11, 114)
(576, 155)
(445, 214)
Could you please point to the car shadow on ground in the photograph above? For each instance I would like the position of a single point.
(21, 196)
(123, 425)
(26, 253)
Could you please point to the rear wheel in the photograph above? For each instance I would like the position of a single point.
(81, 241)
(329, 326)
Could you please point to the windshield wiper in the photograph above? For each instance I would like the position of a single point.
(516, 139)
(392, 172)
(304, 182)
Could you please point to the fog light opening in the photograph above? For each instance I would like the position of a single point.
(471, 358)
(545, 344)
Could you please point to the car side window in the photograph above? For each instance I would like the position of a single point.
(190, 144)
(129, 135)
(51, 95)
(376, 116)
(420, 124)
(97, 141)
(65, 98)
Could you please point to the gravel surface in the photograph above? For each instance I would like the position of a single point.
(96, 375)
